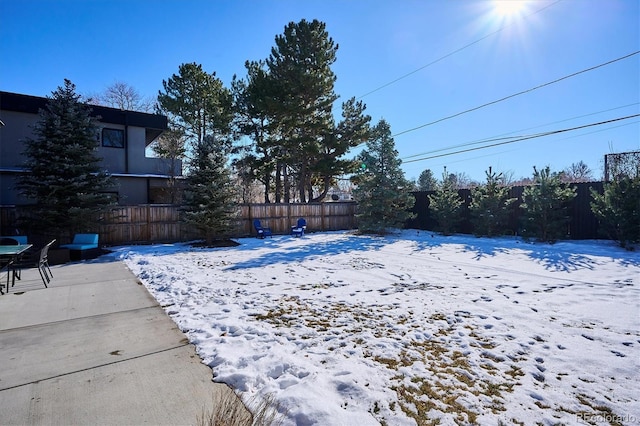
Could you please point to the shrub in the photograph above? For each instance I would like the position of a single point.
(618, 209)
(490, 205)
(545, 204)
(445, 207)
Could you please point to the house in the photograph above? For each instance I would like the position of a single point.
(123, 138)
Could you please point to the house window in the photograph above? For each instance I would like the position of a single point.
(113, 138)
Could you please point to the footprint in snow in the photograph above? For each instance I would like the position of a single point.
(538, 377)
(536, 396)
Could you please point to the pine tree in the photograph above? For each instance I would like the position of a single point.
(545, 206)
(426, 181)
(303, 92)
(490, 206)
(618, 209)
(209, 197)
(445, 205)
(382, 191)
(197, 104)
(65, 179)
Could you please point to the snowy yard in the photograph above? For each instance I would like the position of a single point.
(411, 328)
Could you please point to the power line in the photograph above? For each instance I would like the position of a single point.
(505, 137)
(520, 139)
(519, 93)
(452, 53)
(570, 137)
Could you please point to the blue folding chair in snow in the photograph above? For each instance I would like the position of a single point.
(261, 230)
(298, 230)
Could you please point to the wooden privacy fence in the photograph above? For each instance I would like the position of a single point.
(151, 223)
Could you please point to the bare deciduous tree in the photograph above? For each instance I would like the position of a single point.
(577, 172)
(122, 95)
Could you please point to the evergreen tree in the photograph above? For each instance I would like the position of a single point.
(426, 181)
(618, 209)
(197, 104)
(65, 179)
(351, 131)
(445, 205)
(285, 105)
(382, 191)
(254, 108)
(209, 197)
(300, 74)
(490, 206)
(545, 204)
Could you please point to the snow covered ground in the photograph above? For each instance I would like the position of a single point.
(406, 329)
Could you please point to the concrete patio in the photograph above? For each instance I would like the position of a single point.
(96, 348)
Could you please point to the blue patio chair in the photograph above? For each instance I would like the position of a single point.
(261, 230)
(298, 230)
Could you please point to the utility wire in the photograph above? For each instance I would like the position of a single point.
(504, 135)
(539, 135)
(519, 93)
(570, 137)
(452, 53)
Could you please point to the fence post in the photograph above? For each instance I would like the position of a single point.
(322, 216)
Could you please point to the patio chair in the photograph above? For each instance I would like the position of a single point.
(261, 230)
(30, 261)
(43, 264)
(299, 228)
(5, 266)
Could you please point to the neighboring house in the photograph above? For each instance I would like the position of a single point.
(122, 140)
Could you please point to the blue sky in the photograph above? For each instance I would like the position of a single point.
(142, 42)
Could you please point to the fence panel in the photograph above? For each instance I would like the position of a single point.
(151, 223)
(161, 223)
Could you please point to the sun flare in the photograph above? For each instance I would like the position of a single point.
(509, 8)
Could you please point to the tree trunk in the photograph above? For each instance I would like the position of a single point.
(278, 182)
(267, 184)
(302, 180)
(325, 190)
(287, 189)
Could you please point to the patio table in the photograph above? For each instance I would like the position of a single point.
(10, 254)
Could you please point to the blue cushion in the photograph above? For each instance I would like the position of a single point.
(80, 246)
(83, 242)
(22, 239)
(85, 239)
